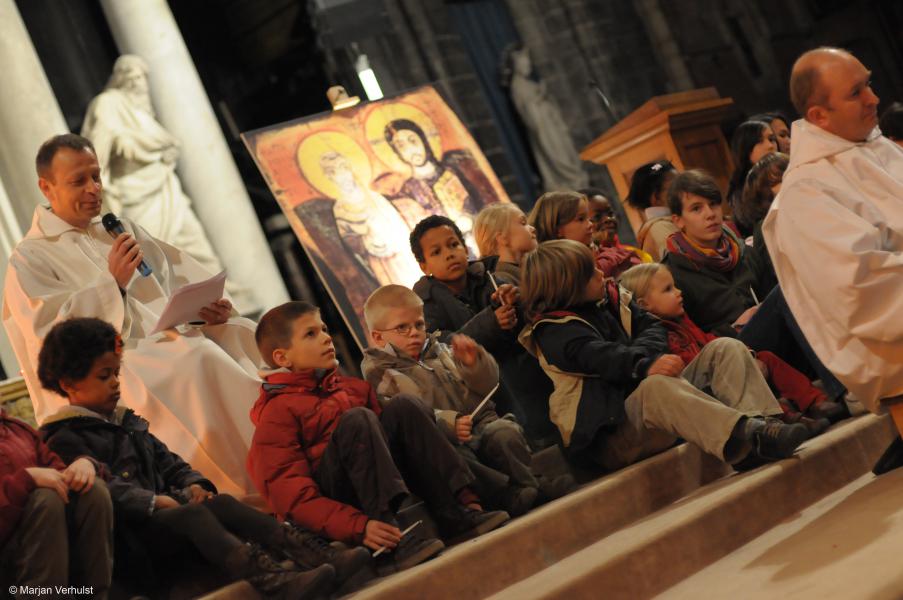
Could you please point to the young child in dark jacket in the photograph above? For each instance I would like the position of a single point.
(54, 520)
(161, 503)
(618, 395)
(460, 297)
(326, 455)
(654, 290)
(452, 380)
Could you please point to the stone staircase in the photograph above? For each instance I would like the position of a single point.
(646, 530)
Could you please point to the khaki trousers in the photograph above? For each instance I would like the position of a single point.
(662, 409)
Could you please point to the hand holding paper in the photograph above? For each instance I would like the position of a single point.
(189, 301)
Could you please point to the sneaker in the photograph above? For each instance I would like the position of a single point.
(814, 426)
(414, 549)
(773, 440)
(830, 410)
(518, 501)
(459, 523)
(310, 550)
(273, 580)
(552, 489)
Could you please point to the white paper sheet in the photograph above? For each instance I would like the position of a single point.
(187, 301)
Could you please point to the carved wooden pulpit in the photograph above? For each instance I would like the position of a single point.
(684, 128)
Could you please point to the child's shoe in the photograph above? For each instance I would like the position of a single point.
(517, 500)
(412, 550)
(830, 410)
(773, 440)
(310, 550)
(552, 489)
(459, 523)
(273, 580)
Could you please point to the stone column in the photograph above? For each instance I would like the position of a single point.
(10, 234)
(29, 114)
(211, 179)
(664, 45)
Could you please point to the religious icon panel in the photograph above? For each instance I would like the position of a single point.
(353, 183)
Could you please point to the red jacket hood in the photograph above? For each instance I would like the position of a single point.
(286, 382)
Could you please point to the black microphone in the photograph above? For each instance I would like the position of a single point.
(114, 227)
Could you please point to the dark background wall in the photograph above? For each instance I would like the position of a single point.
(267, 61)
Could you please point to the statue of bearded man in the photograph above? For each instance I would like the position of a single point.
(138, 157)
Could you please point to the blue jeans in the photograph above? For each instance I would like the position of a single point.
(773, 328)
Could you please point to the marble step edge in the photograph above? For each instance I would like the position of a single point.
(662, 549)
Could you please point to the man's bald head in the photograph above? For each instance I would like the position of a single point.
(806, 87)
(832, 90)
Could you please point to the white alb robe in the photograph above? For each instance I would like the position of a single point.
(835, 235)
(194, 386)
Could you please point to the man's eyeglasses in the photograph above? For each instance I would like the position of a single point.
(405, 328)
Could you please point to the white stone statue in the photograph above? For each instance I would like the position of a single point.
(137, 158)
(557, 158)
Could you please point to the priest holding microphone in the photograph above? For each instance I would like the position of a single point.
(193, 384)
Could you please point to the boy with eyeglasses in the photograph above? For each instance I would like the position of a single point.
(327, 456)
(452, 380)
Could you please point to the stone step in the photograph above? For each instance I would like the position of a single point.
(847, 545)
(547, 535)
(665, 548)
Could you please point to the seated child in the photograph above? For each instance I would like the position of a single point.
(605, 224)
(619, 396)
(762, 185)
(452, 380)
(654, 290)
(162, 506)
(56, 522)
(460, 297)
(501, 229)
(723, 281)
(566, 216)
(649, 196)
(327, 456)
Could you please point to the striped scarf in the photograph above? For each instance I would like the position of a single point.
(723, 258)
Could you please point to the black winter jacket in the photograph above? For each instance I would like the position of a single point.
(595, 362)
(139, 465)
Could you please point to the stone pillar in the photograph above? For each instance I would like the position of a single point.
(10, 234)
(29, 114)
(211, 179)
(664, 45)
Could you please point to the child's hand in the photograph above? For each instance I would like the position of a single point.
(463, 427)
(465, 350)
(79, 476)
(50, 479)
(198, 494)
(378, 534)
(164, 502)
(744, 318)
(506, 316)
(506, 294)
(670, 365)
(763, 368)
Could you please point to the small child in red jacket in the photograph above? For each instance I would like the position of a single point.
(327, 456)
(653, 288)
(51, 516)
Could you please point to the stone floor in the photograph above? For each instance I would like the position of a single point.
(847, 545)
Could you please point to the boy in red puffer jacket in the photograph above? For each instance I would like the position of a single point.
(328, 457)
(654, 290)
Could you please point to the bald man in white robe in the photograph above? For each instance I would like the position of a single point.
(835, 231)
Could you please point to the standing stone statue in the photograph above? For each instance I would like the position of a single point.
(137, 158)
(550, 141)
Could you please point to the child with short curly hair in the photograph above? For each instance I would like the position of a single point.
(163, 506)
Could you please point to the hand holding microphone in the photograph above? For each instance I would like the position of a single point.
(125, 256)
